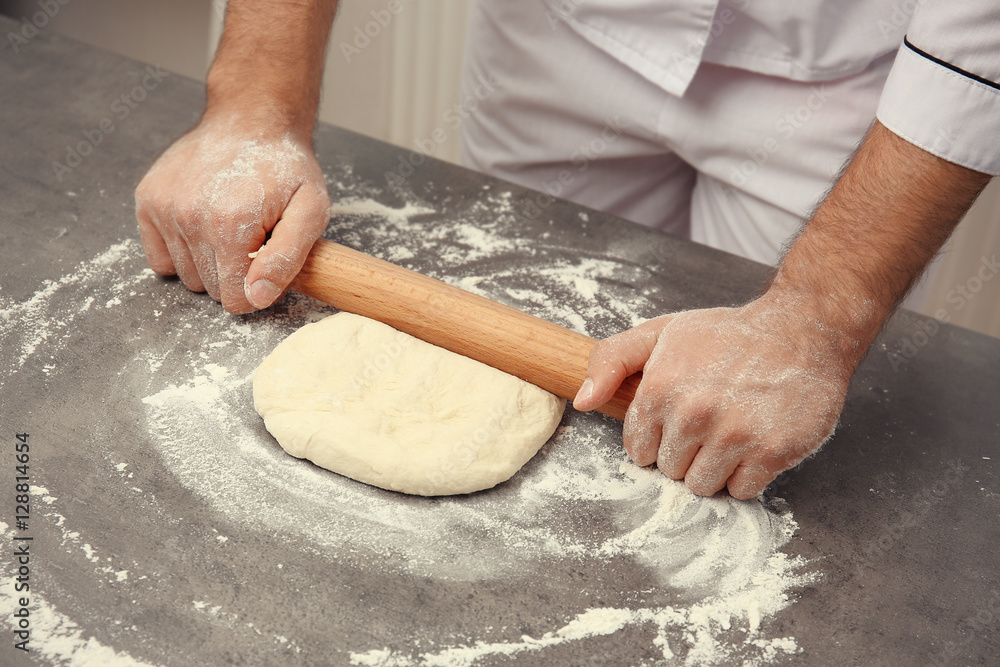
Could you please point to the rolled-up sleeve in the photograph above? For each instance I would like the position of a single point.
(943, 92)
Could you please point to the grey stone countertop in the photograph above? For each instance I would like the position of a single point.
(168, 528)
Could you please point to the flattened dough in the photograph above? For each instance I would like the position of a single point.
(359, 398)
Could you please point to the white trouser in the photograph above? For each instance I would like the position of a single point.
(737, 163)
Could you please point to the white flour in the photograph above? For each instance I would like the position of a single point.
(567, 291)
(64, 643)
(718, 557)
(48, 315)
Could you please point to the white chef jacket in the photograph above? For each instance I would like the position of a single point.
(942, 93)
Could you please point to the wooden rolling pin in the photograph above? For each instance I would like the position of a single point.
(542, 353)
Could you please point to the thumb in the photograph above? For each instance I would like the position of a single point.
(280, 259)
(614, 359)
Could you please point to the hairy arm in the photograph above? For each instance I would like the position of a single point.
(269, 64)
(880, 226)
(247, 169)
(731, 397)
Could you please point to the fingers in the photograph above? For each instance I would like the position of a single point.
(614, 359)
(169, 256)
(199, 217)
(678, 429)
(167, 250)
(675, 458)
(280, 260)
(157, 253)
(727, 400)
(749, 481)
(691, 438)
(183, 261)
(710, 470)
(642, 433)
(208, 269)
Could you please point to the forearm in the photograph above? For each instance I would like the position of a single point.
(269, 64)
(882, 223)
(730, 397)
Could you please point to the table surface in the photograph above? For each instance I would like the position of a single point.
(168, 528)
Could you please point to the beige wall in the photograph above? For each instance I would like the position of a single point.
(402, 81)
(171, 33)
(958, 291)
(416, 54)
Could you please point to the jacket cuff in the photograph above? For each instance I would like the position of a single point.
(944, 110)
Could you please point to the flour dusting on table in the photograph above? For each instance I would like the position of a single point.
(47, 315)
(714, 569)
(56, 637)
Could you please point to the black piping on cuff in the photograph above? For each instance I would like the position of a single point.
(953, 68)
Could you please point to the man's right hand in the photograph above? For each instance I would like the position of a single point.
(214, 196)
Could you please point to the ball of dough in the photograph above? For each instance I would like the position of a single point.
(359, 398)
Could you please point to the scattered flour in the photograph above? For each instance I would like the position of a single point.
(372, 208)
(56, 638)
(30, 323)
(719, 559)
(43, 494)
(591, 623)
(722, 555)
(585, 294)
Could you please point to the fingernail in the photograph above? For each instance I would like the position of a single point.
(586, 391)
(262, 293)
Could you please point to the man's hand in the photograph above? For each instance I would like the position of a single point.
(213, 198)
(247, 169)
(730, 397)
